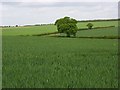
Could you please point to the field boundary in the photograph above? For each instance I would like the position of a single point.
(100, 20)
(96, 28)
(44, 34)
(94, 37)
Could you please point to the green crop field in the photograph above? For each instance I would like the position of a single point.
(98, 24)
(30, 30)
(99, 32)
(102, 32)
(60, 62)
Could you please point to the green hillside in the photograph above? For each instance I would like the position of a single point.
(30, 30)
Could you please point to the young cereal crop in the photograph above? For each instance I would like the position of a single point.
(49, 62)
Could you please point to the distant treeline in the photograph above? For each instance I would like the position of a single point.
(9, 26)
(28, 25)
(78, 21)
(99, 20)
(39, 24)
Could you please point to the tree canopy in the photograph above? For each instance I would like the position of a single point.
(89, 25)
(67, 25)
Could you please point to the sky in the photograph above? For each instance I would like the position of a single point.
(29, 12)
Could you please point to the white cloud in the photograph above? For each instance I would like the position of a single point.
(31, 13)
(59, 0)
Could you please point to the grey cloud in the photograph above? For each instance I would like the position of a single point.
(31, 13)
(56, 4)
(12, 4)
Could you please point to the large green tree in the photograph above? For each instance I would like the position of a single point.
(67, 25)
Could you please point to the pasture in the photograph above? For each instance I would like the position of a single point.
(101, 32)
(59, 62)
(98, 24)
(30, 30)
(113, 31)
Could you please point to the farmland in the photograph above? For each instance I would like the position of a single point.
(45, 61)
(99, 32)
(98, 24)
(30, 30)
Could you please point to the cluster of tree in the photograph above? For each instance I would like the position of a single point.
(5, 26)
(67, 25)
(27, 25)
(96, 20)
(89, 25)
(16, 25)
(10, 26)
(42, 24)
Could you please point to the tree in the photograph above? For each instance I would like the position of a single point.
(16, 25)
(89, 25)
(67, 25)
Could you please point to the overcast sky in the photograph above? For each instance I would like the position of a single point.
(47, 11)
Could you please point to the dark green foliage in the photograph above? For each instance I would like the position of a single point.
(100, 20)
(89, 25)
(69, 29)
(67, 25)
(37, 24)
(16, 25)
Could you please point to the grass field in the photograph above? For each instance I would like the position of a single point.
(98, 24)
(99, 32)
(44, 62)
(30, 30)
(59, 62)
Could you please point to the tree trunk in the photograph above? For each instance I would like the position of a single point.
(74, 34)
(68, 35)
